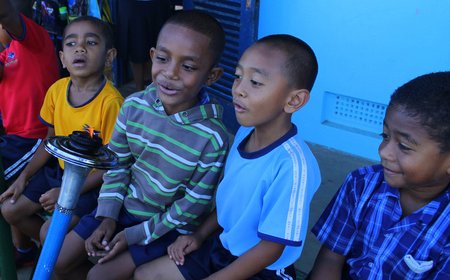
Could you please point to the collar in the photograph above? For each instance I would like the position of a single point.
(241, 147)
(204, 109)
(422, 216)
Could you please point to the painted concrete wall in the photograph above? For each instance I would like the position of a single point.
(365, 49)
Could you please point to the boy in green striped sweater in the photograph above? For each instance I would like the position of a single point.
(172, 146)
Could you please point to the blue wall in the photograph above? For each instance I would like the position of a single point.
(365, 49)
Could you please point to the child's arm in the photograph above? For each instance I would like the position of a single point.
(49, 199)
(37, 162)
(10, 18)
(252, 262)
(116, 181)
(93, 180)
(195, 203)
(328, 265)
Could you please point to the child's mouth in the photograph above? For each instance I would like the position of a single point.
(79, 62)
(239, 108)
(167, 89)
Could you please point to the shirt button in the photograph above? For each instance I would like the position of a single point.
(370, 264)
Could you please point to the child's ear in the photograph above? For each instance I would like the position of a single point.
(61, 57)
(110, 55)
(152, 53)
(296, 100)
(214, 74)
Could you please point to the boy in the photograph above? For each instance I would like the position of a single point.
(28, 67)
(270, 176)
(172, 145)
(391, 221)
(86, 97)
(28, 50)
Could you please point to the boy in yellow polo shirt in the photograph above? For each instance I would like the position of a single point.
(86, 97)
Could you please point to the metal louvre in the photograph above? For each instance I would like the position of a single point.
(239, 18)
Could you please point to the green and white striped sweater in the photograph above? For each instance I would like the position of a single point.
(170, 166)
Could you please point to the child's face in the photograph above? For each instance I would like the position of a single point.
(260, 89)
(84, 52)
(411, 159)
(182, 64)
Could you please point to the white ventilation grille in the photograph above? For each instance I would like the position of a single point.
(353, 114)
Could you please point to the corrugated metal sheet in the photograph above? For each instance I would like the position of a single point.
(239, 19)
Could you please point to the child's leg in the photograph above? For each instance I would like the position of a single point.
(21, 214)
(44, 230)
(139, 71)
(162, 268)
(46, 225)
(120, 267)
(26, 248)
(127, 261)
(20, 240)
(73, 261)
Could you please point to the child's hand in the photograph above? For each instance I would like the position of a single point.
(116, 246)
(15, 190)
(49, 199)
(181, 247)
(99, 239)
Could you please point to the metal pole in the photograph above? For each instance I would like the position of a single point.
(73, 179)
(7, 264)
(78, 162)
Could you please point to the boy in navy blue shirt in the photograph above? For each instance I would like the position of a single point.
(391, 221)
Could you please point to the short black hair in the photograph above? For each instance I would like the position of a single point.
(104, 27)
(427, 98)
(205, 24)
(301, 65)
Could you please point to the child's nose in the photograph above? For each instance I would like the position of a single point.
(238, 89)
(171, 71)
(80, 48)
(385, 150)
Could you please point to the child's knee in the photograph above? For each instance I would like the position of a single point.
(62, 265)
(143, 274)
(94, 273)
(43, 231)
(10, 213)
(140, 274)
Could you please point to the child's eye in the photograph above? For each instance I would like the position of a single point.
(384, 136)
(255, 83)
(69, 44)
(189, 68)
(160, 58)
(237, 77)
(403, 147)
(91, 43)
